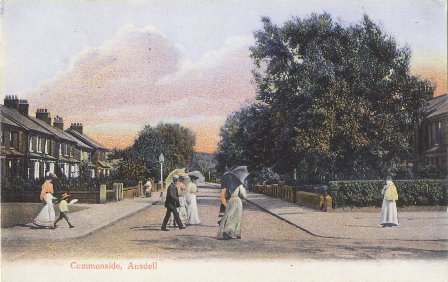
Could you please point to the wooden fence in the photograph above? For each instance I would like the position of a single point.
(291, 194)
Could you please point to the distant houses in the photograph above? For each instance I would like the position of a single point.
(433, 135)
(32, 146)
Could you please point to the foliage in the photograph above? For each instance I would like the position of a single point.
(334, 101)
(245, 139)
(20, 185)
(206, 164)
(264, 176)
(180, 142)
(141, 160)
(368, 193)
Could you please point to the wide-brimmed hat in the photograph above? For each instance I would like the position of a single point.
(183, 175)
(65, 195)
(51, 174)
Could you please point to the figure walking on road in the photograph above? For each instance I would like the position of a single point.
(46, 216)
(192, 190)
(182, 190)
(389, 214)
(171, 204)
(232, 181)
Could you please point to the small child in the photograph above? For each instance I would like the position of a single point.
(63, 208)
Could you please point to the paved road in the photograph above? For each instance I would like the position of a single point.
(263, 236)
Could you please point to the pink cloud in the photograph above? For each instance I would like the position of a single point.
(140, 77)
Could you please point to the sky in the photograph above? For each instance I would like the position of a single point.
(115, 66)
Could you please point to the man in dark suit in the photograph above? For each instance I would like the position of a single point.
(171, 204)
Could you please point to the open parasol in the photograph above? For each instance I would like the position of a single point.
(234, 178)
(169, 178)
(198, 175)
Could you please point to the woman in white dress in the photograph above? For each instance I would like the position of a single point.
(182, 189)
(46, 216)
(192, 190)
(389, 215)
(230, 226)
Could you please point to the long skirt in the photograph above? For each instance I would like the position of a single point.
(182, 210)
(389, 215)
(230, 226)
(46, 216)
(193, 216)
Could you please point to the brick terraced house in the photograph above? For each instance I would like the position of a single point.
(32, 146)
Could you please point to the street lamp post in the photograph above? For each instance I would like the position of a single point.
(161, 160)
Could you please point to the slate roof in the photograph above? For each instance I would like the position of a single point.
(22, 120)
(86, 139)
(437, 106)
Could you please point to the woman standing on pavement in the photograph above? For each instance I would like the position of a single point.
(192, 190)
(389, 215)
(46, 216)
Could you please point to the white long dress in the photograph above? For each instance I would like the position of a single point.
(230, 226)
(193, 216)
(389, 214)
(46, 216)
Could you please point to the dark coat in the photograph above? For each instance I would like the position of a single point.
(172, 197)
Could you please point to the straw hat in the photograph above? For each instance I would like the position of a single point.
(51, 174)
(65, 195)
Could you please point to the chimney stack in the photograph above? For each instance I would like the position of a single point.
(12, 102)
(43, 115)
(58, 122)
(23, 107)
(76, 127)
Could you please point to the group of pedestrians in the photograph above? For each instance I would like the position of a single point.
(181, 202)
(47, 216)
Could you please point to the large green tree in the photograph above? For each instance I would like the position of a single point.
(341, 99)
(246, 139)
(142, 158)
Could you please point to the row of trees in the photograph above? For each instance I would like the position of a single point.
(333, 102)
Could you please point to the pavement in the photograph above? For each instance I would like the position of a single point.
(414, 226)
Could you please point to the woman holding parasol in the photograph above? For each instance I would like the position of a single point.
(232, 181)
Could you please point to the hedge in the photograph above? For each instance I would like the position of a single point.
(61, 184)
(427, 192)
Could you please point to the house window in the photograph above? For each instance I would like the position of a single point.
(31, 144)
(38, 141)
(46, 146)
(36, 169)
(438, 133)
(3, 138)
(60, 149)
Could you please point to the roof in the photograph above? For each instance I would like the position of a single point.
(8, 121)
(86, 139)
(22, 120)
(437, 106)
(11, 152)
(56, 131)
(103, 164)
(34, 155)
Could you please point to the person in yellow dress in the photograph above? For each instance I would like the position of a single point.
(389, 215)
